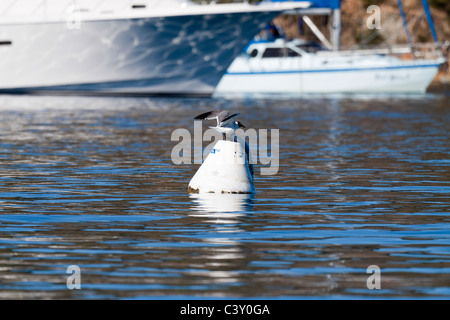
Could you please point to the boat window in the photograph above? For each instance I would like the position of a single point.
(309, 47)
(5, 43)
(292, 53)
(138, 6)
(254, 53)
(273, 53)
(280, 52)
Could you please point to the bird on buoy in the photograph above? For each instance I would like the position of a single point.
(225, 123)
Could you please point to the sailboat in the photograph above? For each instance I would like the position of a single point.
(297, 67)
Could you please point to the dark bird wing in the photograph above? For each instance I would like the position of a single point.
(229, 117)
(219, 115)
(205, 116)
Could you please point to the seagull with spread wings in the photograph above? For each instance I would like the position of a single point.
(225, 122)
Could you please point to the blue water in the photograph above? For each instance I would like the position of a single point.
(89, 181)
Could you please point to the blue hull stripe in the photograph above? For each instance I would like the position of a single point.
(337, 70)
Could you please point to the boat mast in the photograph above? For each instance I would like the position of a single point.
(336, 24)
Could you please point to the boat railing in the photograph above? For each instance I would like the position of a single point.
(46, 8)
(57, 8)
(416, 51)
(432, 50)
(225, 1)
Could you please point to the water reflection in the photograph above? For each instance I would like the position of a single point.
(226, 215)
(222, 202)
(90, 182)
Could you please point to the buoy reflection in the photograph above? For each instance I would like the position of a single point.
(222, 203)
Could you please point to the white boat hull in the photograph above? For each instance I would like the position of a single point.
(157, 55)
(402, 78)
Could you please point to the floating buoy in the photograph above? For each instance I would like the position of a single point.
(225, 170)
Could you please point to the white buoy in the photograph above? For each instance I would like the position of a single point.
(225, 170)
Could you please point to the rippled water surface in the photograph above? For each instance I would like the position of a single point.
(90, 182)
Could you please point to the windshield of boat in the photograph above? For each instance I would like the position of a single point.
(310, 47)
(279, 52)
